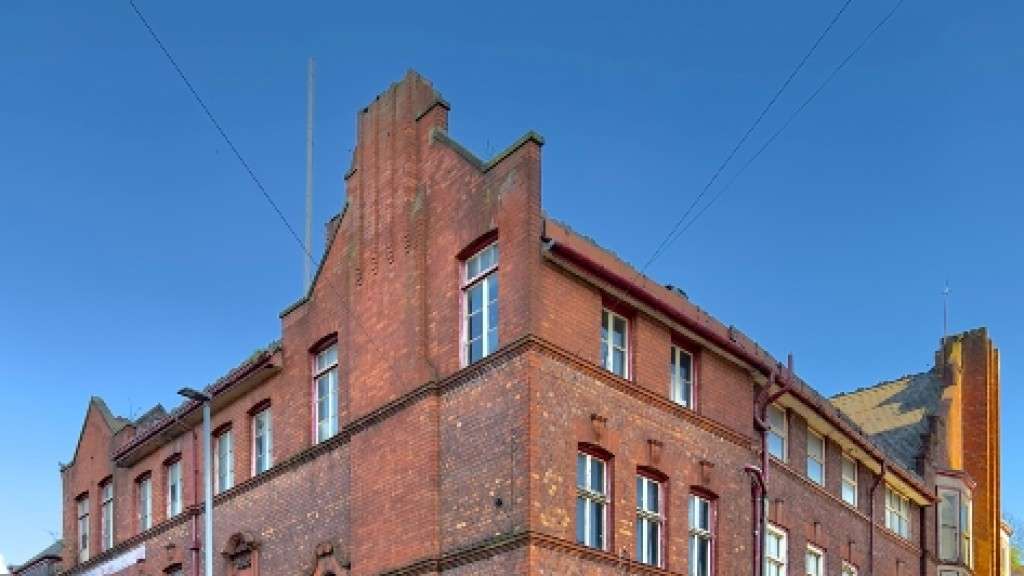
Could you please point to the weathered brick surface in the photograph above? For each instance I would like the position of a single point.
(443, 468)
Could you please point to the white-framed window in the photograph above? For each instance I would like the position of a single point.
(174, 571)
(949, 525)
(262, 441)
(777, 432)
(815, 457)
(775, 551)
(650, 519)
(83, 527)
(174, 500)
(848, 569)
(144, 503)
(480, 308)
(955, 518)
(591, 500)
(681, 368)
(701, 535)
(325, 384)
(107, 515)
(814, 561)
(849, 488)
(615, 343)
(897, 512)
(224, 461)
(966, 542)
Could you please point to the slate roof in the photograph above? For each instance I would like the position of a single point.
(895, 414)
(52, 551)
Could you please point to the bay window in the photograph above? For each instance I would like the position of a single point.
(955, 517)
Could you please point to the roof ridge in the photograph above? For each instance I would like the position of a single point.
(863, 389)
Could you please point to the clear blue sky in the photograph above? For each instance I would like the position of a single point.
(137, 257)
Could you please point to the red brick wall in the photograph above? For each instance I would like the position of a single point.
(980, 380)
(439, 467)
(91, 465)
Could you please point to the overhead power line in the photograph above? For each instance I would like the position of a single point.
(238, 155)
(828, 79)
(220, 130)
(732, 153)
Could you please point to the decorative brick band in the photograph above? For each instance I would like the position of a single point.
(435, 388)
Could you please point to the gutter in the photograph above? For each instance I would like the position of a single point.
(756, 359)
(249, 367)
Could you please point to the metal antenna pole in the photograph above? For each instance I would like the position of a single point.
(945, 312)
(307, 276)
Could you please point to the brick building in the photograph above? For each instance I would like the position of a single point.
(45, 563)
(600, 424)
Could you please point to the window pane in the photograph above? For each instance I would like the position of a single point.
(581, 470)
(849, 469)
(776, 446)
(475, 298)
(702, 557)
(597, 475)
(476, 325)
(619, 332)
(814, 471)
(597, 521)
(327, 358)
(581, 520)
(619, 362)
(653, 541)
(815, 447)
(849, 493)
